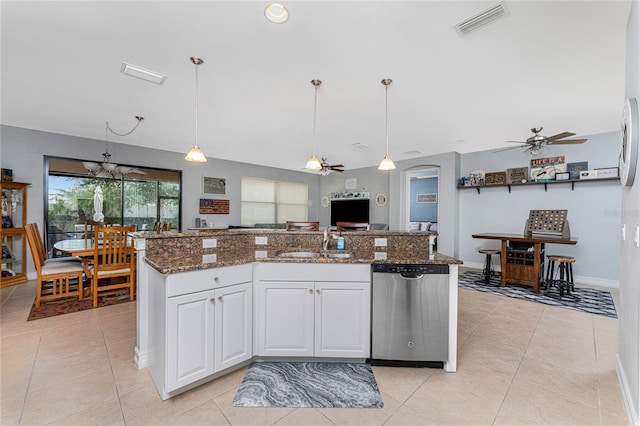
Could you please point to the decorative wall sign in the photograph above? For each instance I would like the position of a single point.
(427, 198)
(476, 177)
(495, 178)
(517, 175)
(574, 169)
(7, 175)
(545, 169)
(209, 206)
(214, 186)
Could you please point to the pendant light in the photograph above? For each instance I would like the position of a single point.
(313, 163)
(195, 154)
(386, 163)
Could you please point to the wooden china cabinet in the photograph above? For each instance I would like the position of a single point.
(14, 242)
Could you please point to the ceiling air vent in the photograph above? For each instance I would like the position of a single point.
(481, 19)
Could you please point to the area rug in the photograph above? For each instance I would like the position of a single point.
(582, 299)
(67, 306)
(308, 384)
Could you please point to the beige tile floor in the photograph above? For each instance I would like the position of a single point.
(520, 363)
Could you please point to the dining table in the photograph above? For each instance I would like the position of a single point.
(522, 256)
(82, 248)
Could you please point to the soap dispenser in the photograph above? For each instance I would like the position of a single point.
(340, 243)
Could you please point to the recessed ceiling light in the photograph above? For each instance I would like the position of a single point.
(276, 13)
(141, 73)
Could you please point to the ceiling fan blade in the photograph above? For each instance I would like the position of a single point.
(511, 147)
(567, 142)
(337, 170)
(560, 136)
(515, 141)
(336, 165)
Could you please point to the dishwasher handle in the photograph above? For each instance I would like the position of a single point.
(412, 276)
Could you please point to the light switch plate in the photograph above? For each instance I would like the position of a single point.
(636, 237)
(209, 258)
(262, 241)
(209, 243)
(624, 232)
(380, 255)
(261, 254)
(380, 242)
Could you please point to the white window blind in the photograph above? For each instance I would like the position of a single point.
(270, 201)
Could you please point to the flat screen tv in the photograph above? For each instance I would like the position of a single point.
(356, 210)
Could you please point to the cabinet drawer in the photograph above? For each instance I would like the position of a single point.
(207, 279)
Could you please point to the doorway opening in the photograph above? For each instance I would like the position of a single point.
(422, 198)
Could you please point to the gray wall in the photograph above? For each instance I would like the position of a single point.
(629, 315)
(423, 212)
(594, 207)
(23, 150)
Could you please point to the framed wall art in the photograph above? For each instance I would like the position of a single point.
(214, 185)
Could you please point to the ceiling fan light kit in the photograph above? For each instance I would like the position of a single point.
(387, 163)
(107, 168)
(195, 154)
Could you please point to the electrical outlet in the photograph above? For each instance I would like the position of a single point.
(380, 255)
(262, 241)
(380, 242)
(261, 254)
(209, 243)
(209, 258)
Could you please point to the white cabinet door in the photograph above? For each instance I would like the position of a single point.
(189, 338)
(342, 323)
(285, 318)
(233, 325)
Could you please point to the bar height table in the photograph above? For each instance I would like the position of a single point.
(524, 266)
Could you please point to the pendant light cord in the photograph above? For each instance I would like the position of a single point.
(386, 114)
(315, 109)
(196, 63)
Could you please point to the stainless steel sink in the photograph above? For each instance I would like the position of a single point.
(306, 254)
(338, 254)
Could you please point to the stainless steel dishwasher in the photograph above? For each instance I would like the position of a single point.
(410, 315)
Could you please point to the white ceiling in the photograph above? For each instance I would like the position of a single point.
(548, 63)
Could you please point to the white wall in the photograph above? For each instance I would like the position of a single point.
(629, 315)
(593, 207)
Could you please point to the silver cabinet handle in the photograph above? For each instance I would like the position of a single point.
(310, 291)
(219, 298)
(213, 300)
(318, 291)
(216, 279)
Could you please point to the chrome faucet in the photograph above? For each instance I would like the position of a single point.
(325, 238)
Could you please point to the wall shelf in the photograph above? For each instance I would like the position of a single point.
(553, 182)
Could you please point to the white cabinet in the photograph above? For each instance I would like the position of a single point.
(299, 317)
(233, 325)
(190, 324)
(200, 323)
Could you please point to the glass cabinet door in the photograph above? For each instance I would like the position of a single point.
(14, 244)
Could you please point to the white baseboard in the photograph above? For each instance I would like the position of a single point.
(140, 359)
(579, 279)
(627, 401)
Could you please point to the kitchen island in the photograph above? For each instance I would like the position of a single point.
(209, 303)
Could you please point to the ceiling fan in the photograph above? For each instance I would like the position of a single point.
(328, 168)
(536, 143)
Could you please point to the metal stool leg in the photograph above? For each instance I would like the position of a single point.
(487, 268)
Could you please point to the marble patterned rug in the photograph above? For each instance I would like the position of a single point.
(308, 384)
(584, 299)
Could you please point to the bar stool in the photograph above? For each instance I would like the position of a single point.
(488, 264)
(565, 272)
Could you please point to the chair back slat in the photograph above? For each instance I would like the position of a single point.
(352, 226)
(113, 250)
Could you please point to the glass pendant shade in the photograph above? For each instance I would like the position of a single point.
(313, 164)
(386, 164)
(196, 155)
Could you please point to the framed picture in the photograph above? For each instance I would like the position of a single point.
(563, 176)
(517, 175)
(214, 185)
(427, 198)
(574, 169)
(209, 206)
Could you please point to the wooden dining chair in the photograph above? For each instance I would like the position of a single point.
(55, 280)
(166, 226)
(157, 226)
(302, 226)
(352, 226)
(90, 228)
(113, 268)
(44, 252)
